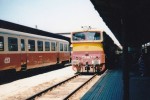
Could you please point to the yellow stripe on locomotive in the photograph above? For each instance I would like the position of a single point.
(87, 47)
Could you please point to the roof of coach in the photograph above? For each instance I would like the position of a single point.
(7, 31)
(21, 28)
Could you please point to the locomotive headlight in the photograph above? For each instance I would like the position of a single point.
(76, 61)
(96, 62)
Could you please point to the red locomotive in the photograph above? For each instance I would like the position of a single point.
(87, 51)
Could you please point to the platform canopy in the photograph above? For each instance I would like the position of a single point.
(129, 17)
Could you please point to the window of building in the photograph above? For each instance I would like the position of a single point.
(31, 45)
(61, 47)
(40, 45)
(1, 43)
(22, 45)
(12, 44)
(53, 46)
(47, 46)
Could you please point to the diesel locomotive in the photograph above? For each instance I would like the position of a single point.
(87, 51)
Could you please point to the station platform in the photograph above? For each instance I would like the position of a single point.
(139, 87)
(110, 87)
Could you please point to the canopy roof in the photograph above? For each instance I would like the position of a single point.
(129, 17)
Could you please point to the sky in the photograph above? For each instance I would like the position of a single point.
(57, 16)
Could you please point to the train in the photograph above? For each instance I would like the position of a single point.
(23, 50)
(93, 51)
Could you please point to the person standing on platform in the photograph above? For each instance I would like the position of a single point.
(141, 63)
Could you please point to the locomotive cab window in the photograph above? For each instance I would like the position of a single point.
(47, 46)
(40, 45)
(31, 45)
(1, 43)
(61, 47)
(12, 44)
(97, 36)
(53, 46)
(86, 36)
(78, 36)
(22, 45)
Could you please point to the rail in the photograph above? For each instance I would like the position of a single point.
(68, 96)
(50, 88)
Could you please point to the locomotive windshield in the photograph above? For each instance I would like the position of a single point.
(86, 36)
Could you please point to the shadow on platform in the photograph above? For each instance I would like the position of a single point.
(110, 87)
(139, 87)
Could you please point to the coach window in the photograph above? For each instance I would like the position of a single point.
(61, 47)
(1, 43)
(53, 46)
(56, 45)
(31, 45)
(22, 45)
(40, 45)
(47, 46)
(65, 47)
(69, 48)
(12, 44)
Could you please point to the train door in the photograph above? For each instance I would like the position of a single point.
(4, 60)
(57, 49)
(23, 54)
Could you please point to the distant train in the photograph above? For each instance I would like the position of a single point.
(90, 51)
(23, 50)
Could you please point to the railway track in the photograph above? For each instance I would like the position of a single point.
(65, 89)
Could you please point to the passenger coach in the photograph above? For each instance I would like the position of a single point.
(22, 50)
